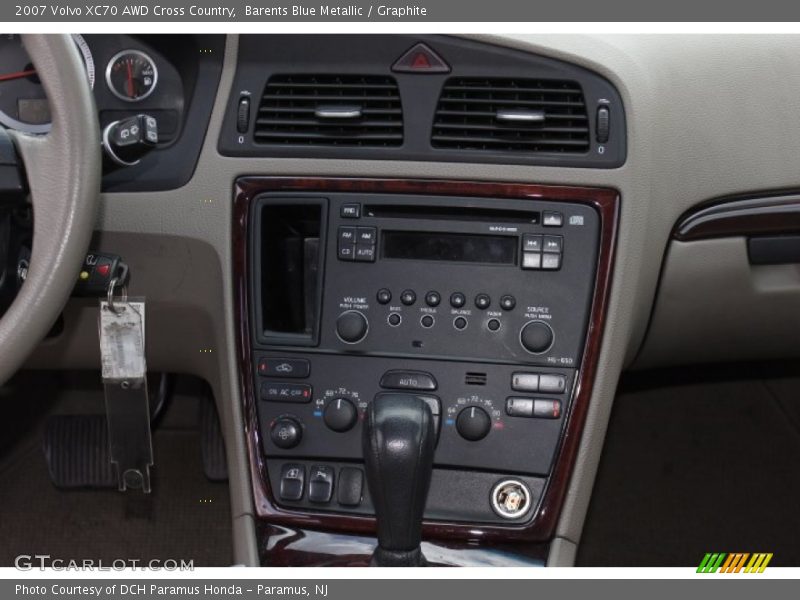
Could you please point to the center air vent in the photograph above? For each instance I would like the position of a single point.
(330, 110)
(517, 115)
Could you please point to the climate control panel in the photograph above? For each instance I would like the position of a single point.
(500, 418)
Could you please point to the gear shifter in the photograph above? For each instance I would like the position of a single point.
(399, 441)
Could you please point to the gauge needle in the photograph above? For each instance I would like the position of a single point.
(130, 80)
(17, 75)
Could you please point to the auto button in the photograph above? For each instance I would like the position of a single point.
(408, 380)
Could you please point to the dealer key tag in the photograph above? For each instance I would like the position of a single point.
(124, 372)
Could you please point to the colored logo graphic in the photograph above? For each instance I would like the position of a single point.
(714, 562)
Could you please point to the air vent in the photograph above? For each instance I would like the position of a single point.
(512, 115)
(475, 379)
(330, 110)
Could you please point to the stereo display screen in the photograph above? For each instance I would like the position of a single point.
(453, 247)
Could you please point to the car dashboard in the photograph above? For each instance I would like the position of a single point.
(490, 224)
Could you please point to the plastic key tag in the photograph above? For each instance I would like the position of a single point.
(122, 342)
(124, 371)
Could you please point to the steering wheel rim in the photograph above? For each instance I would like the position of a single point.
(63, 171)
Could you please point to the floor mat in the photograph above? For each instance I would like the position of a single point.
(186, 517)
(696, 461)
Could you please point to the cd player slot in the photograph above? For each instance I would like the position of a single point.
(453, 213)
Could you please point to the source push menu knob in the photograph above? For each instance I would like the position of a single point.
(352, 326)
(536, 337)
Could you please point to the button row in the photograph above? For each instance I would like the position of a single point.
(538, 382)
(542, 251)
(457, 299)
(395, 319)
(536, 408)
(321, 479)
(357, 243)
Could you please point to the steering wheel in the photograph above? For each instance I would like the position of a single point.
(63, 171)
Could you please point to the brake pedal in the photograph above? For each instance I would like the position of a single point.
(77, 452)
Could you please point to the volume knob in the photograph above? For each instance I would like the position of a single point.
(352, 326)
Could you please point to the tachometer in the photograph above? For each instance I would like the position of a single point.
(131, 75)
(23, 103)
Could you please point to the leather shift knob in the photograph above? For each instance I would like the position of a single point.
(399, 441)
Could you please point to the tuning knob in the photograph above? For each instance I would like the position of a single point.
(286, 432)
(536, 337)
(473, 423)
(352, 326)
(340, 415)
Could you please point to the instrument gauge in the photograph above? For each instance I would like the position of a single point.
(131, 75)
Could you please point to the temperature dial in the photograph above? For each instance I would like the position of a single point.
(340, 415)
(473, 423)
(131, 75)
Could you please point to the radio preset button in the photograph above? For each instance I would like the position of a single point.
(531, 243)
(508, 302)
(394, 319)
(493, 325)
(383, 296)
(460, 323)
(483, 301)
(457, 300)
(408, 297)
(350, 211)
(551, 218)
(432, 298)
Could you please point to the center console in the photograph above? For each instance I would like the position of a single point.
(483, 300)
